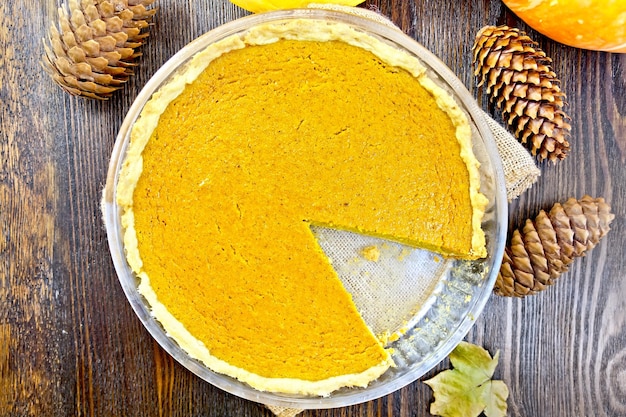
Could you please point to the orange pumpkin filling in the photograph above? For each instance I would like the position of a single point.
(266, 141)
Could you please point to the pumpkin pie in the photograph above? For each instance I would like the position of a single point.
(260, 136)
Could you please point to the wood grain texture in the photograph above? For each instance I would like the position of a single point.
(70, 343)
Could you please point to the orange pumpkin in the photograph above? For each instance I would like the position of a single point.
(598, 25)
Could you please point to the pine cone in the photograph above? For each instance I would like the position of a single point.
(543, 248)
(93, 51)
(519, 78)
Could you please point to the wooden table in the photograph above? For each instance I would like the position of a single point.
(70, 343)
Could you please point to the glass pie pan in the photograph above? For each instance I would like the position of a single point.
(456, 292)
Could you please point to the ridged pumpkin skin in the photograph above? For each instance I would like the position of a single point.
(598, 25)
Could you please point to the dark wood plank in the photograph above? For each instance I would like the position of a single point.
(70, 343)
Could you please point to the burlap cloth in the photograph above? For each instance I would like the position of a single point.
(520, 170)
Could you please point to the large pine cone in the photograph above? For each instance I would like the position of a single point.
(519, 78)
(93, 50)
(543, 248)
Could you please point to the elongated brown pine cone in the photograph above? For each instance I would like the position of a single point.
(543, 248)
(93, 50)
(519, 78)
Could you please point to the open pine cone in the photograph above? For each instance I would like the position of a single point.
(519, 78)
(543, 248)
(93, 50)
